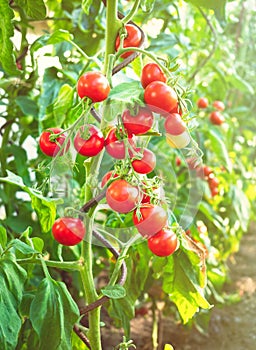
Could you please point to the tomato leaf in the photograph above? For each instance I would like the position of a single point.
(7, 58)
(3, 236)
(34, 8)
(53, 308)
(122, 310)
(241, 206)
(12, 279)
(114, 292)
(239, 83)
(27, 105)
(22, 247)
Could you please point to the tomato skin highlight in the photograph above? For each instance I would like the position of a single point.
(115, 147)
(140, 123)
(51, 148)
(152, 72)
(163, 243)
(202, 102)
(152, 219)
(160, 97)
(146, 164)
(216, 118)
(122, 196)
(133, 39)
(93, 145)
(68, 231)
(219, 105)
(93, 85)
(174, 125)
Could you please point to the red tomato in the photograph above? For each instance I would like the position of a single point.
(122, 196)
(152, 219)
(152, 72)
(213, 181)
(140, 123)
(52, 148)
(202, 102)
(92, 145)
(68, 231)
(207, 170)
(174, 125)
(107, 177)
(176, 109)
(219, 105)
(93, 85)
(178, 161)
(114, 146)
(163, 243)
(216, 118)
(160, 97)
(133, 39)
(214, 191)
(146, 164)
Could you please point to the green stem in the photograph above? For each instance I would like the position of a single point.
(112, 28)
(132, 13)
(65, 265)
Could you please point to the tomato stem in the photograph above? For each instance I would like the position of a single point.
(132, 13)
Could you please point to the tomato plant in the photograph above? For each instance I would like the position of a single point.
(174, 125)
(68, 231)
(116, 147)
(146, 163)
(92, 145)
(216, 118)
(132, 39)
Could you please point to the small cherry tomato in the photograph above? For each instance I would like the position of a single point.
(149, 219)
(174, 125)
(214, 191)
(140, 123)
(107, 177)
(178, 161)
(216, 118)
(219, 105)
(133, 39)
(93, 85)
(202, 102)
(163, 243)
(146, 164)
(116, 147)
(68, 231)
(52, 148)
(152, 72)
(122, 196)
(207, 170)
(160, 97)
(92, 145)
(213, 181)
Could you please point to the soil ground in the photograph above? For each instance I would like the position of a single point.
(232, 327)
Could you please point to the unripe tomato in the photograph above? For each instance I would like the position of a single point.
(178, 141)
(151, 220)
(140, 123)
(114, 146)
(216, 118)
(219, 105)
(52, 148)
(202, 102)
(163, 243)
(91, 146)
(152, 72)
(160, 97)
(122, 196)
(174, 125)
(68, 231)
(146, 164)
(93, 85)
(133, 39)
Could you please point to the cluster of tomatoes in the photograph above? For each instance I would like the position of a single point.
(207, 173)
(216, 117)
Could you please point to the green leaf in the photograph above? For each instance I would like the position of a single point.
(86, 4)
(137, 65)
(12, 279)
(34, 8)
(59, 36)
(7, 57)
(22, 247)
(27, 105)
(53, 309)
(241, 206)
(13, 179)
(184, 280)
(123, 310)
(26, 303)
(3, 236)
(239, 83)
(114, 292)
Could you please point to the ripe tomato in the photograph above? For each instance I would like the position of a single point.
(177, 109)
(207, 170)
(68, 231)
(114, 146)
(213, 181)
(219, 105)
(202, 102)
(214, 191)
(152, 219)
(163, 243)
(92, 145)
(216, 118)
(133, 39)
(152, 72)
(52, 148)
(122, 196)
(107, 177)
(146, 164)
(140, 123)
(93, 85)
(160, 97)
(174, 125)
(178, 161)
